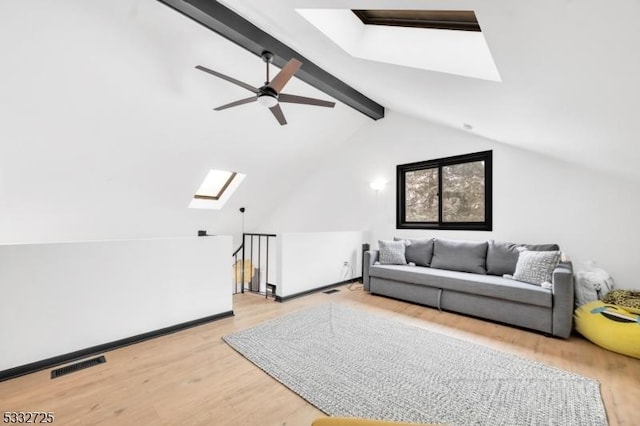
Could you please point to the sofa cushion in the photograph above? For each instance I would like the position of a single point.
(536, 267)
(419, 250)
(502, 256)
(392, 253)
(464, 282)
(462, 256)
(541, 247)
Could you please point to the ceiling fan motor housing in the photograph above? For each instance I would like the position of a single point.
(268, 100)
(267, 97)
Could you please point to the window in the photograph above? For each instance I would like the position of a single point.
(442, 41)
(216, 189)
(462, 20)
(214, 185)
(446, 193)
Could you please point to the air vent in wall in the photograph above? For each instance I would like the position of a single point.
(77, 366)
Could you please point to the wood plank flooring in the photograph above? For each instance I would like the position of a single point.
(194, 378)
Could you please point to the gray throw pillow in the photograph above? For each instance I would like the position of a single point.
(502, 256)
(541, 247)
(536, 267)
(463, 256)
(419, 250)
(392, 253)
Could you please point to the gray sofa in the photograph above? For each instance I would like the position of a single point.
(483, 293)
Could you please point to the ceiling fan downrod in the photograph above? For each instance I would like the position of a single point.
(267, 57)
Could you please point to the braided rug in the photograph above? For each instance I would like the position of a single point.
(348, 362)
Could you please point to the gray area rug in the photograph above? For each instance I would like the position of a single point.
(352, 363)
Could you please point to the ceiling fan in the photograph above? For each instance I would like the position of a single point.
(270, 95)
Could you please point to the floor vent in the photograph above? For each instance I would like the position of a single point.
(333, 290)
(77, 366)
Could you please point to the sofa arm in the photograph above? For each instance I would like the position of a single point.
(563, 300)
(370, 257)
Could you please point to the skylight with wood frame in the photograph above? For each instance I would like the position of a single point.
(460, 20)
(216, 189)
(433, 40)
(214, 185)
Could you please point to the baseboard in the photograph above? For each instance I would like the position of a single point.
(315, 290)
(12, 373)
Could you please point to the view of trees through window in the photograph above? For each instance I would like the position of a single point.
(422, 195)
(462, 190)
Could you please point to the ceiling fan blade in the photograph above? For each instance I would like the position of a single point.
(237, 103)
(285, 75)
(277, 113)
(229, 79)
(293, 99)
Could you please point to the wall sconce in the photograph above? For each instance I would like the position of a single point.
(378, 184)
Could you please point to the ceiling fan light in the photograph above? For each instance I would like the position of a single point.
(267, 101)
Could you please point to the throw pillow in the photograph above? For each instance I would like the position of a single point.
(463, 256)
(392, 253)
(541, 247)
(536, 267)
(419, 250)
(502, 256)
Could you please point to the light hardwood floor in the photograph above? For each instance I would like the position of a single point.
(194, 378)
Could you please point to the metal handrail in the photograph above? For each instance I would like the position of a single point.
(242, 248)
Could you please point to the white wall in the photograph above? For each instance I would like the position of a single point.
(115, 146)
(59, 298)
(537, 199)
(308, 260)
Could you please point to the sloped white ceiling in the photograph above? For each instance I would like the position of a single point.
(569, 73)
(107, 130)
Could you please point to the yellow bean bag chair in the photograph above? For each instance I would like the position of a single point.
(352, 421)
(609, 326)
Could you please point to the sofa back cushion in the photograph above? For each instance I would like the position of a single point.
(418, 250)
(502, 256)
(392, 253)
(463, 256)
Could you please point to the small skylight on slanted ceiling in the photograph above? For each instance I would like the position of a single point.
(216, 189)
(443, 41)
(457, 20)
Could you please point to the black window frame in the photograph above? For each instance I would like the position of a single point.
(439, 163)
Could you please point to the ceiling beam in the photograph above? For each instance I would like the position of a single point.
(235, 28)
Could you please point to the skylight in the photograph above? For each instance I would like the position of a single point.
(458, 20)
(215, 184)
(216, 189)
(463, 53)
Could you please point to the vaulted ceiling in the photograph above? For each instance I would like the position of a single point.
(108, 130)
(105, 122)
(569, 73)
